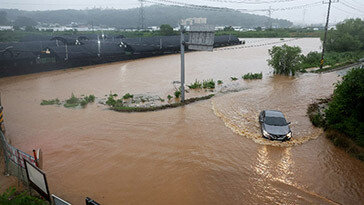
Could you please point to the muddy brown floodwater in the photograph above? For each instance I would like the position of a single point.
(208, 152)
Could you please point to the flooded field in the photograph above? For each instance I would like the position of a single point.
(209, 152)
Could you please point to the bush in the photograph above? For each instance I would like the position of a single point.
(253, 76)
(346, 110)
(210, 84)
(177, 93)
(169, 97)
(128, 96)
(285, 60)
(195, 85)
(51, 102)
(219, 82)
(233, 78)
(12, 197)
(312, 59)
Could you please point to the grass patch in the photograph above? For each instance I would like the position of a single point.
(208, 84)
(250, 76)
(162, 107)
(338, 65)
(197, 84)
(234, 78)
(51, 102)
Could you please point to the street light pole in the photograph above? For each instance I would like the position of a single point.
(182, 64)
(325, 36)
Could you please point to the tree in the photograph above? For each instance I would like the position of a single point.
(3, 19)
(24, 21)
(348, 36)
(285, 59)
(345, 112)
(166, 30)
(229, 28)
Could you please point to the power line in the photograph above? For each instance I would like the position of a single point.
(168, 2)
(250, 2)
(352, 7)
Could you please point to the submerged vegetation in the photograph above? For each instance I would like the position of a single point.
(219, 82)
(51, 102)
(253, 76)
(71, 102)
(197, 84)
(122, 108)
(342, 116)
(128, 96)
(208, 84)
(233, 78)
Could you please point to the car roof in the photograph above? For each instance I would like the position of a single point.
(273, 113)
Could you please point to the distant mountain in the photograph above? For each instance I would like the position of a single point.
(154, 16)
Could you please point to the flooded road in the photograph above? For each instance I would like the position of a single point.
(208, 152)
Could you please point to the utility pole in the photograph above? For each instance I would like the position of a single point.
(141, 15)
(325, 36)
(270, 17)
(182, 63)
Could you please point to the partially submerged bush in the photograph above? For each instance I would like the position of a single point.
(219, 82)
(197, 84)
(110, 100)
(128, 96)
(51, 102)
(253, 76)
(285, 60)
(234, 78)
(73, 101)
(208, 84)
(169, 97)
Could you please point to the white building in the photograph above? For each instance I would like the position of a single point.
(192, 21)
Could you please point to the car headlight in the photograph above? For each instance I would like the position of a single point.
(289, 135)
(266, 134)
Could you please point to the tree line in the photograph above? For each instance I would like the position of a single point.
(128, 18)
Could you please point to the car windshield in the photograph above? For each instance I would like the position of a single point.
(275, 121)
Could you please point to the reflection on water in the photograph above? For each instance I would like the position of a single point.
(186, 155)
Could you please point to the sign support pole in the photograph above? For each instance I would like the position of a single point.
(182, 64)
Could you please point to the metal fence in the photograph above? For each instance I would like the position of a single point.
(14, 159)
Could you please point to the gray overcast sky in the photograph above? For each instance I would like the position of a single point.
(312, 14)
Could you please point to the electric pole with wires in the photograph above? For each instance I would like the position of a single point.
(326, 29)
